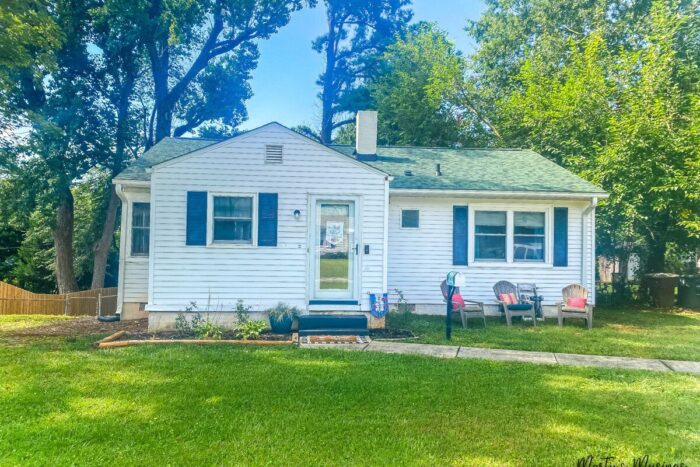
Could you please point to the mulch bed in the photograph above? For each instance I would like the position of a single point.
(389, 334)
(173, 336)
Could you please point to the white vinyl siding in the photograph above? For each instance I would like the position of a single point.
(419, 260)
(260, 276)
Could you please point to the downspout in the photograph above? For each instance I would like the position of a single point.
(385, 252)
(119, 190)
(586, 212)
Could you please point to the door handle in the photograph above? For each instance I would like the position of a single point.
(357, 248)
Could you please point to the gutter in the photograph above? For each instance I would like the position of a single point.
(119, 190)
(499, 194)
(591, 207)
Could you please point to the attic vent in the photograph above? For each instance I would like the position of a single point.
(273, 154)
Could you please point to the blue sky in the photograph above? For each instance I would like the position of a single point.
(284, 84)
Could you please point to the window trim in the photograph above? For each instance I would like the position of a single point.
(505, 237)
(210, 221)
(545, 243)
(129, 221)
(401, 226)
(510, 211)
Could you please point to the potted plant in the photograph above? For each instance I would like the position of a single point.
(281, 318)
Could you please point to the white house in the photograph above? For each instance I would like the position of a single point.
(270, 216)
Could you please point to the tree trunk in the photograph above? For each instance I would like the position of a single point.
(63, 244)
(104, 243)
(656, 261)
(328, 91)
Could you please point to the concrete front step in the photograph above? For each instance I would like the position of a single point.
(333, 325)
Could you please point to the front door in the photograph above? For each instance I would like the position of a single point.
(335, 251)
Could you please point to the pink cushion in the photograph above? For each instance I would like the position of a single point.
(457, 301)
(576, 302)
(508, 298)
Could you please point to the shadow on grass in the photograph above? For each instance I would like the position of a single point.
(230, 405)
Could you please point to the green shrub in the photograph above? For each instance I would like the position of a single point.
(208, 330)
(252, 329)
(242, 312)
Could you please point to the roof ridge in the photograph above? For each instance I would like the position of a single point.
(439, 147)
(191, 138)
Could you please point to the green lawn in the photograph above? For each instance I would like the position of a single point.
(334, 273)
(633, 332)
(10, 323)
(62, 403)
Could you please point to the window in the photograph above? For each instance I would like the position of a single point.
(410, 218)
(233, 219)
(490, 235)
(528, 236)
(140, 228)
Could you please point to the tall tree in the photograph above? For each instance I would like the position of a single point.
(201, 54)
(413, 94)
(358, 33)
(123, 65)
(66, 138)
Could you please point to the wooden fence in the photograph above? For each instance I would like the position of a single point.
(16, 301)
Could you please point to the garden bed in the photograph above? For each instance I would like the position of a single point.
(125, 339)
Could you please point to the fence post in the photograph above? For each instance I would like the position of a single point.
(65, 305)
(99, 304)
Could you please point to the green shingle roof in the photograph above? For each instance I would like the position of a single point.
(475, 169)
(462, 169)
(166, 149)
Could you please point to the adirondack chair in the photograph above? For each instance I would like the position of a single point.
(470, 309)
(567, 311)
(521, 308)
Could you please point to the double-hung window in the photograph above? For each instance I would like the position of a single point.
(140, 228)
(490, 235)
(528, 236)
(233, 219)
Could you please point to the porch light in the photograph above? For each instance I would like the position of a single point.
(297, 214)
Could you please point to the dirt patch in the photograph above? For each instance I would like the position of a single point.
(83, 326)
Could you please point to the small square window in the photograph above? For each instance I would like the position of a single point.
(233, 219)
(410, 218)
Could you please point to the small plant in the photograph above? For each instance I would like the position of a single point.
(208, 330)
(252, 329)
(242, 312)
(185, 327)
(282, 311)
(182, 326)
(402, 303)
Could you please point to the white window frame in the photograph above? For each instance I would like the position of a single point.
(508, 243)
(131, 230)
(210, 221)
(401, 219)
(137, 198)
(545, 245)
(510, 211)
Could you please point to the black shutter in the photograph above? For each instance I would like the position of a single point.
(561, 237)
(267, 219)
(196, 218)
(460, 235)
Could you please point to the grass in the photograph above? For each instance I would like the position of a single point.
(334, 273)
(19, 322)
(632, 332)
(62, 402)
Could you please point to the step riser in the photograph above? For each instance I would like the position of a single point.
(333, 325)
